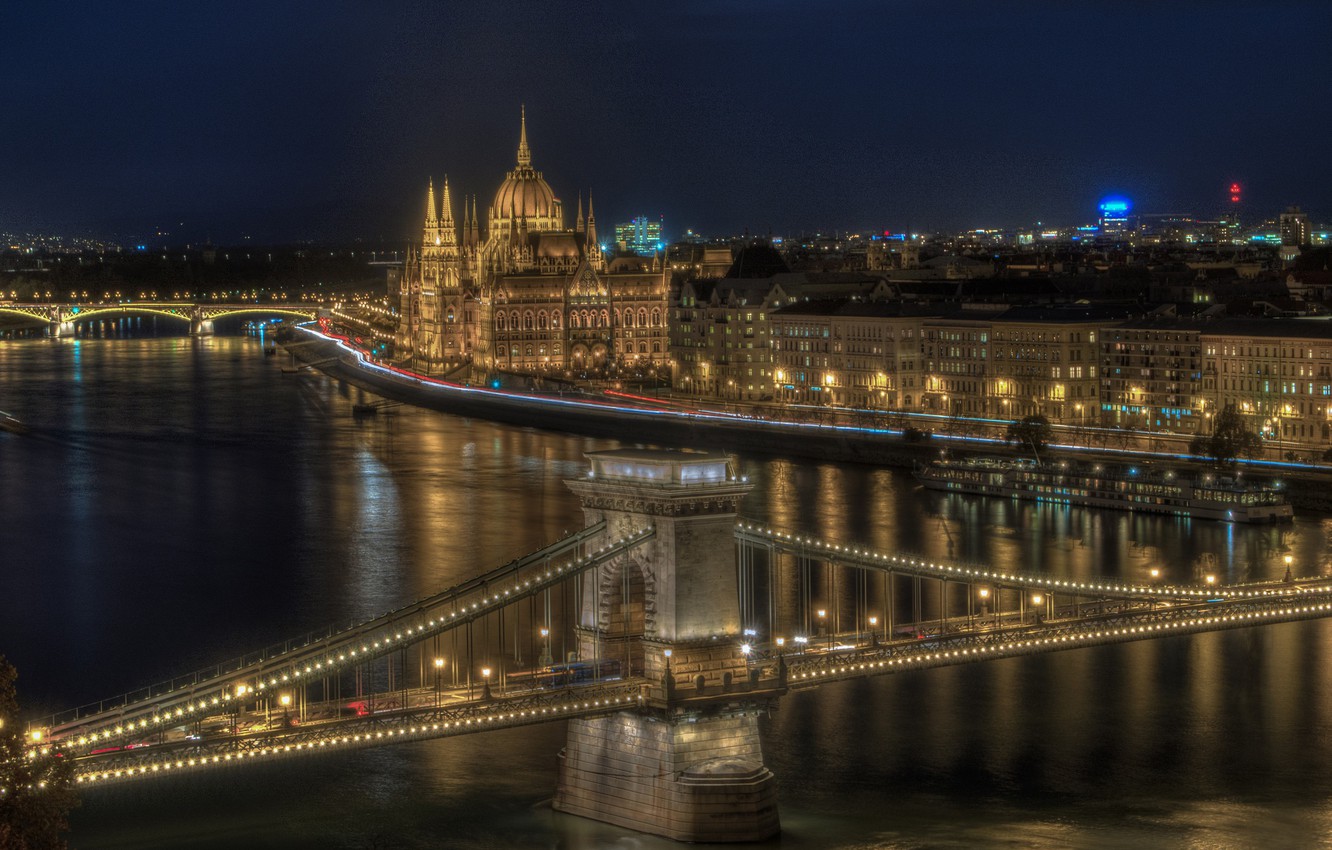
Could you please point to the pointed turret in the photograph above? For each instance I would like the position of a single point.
(430, 236)
(578, 222)
(591, 222)
(524, 152)
(448, 236)
(446, 205)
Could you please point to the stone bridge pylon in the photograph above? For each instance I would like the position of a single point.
(689, 765)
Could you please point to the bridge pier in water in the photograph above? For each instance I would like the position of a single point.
(689, 765)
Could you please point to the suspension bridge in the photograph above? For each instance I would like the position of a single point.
(659, 633)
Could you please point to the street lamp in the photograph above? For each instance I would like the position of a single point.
(485, 683)
(874, 630)
(1037, 599)
(545, 660)
(285, 700)
(439, 665)
(1290, 559)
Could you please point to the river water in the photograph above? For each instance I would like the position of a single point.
(180, 501)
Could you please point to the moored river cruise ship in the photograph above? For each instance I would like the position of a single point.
(1128, 488)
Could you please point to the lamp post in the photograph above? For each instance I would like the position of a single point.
(984, 594)
(545, 660)
(285, 699)
(823, 624)
(485, 683)
(1290, 559)
(874, 630)
(439, 665)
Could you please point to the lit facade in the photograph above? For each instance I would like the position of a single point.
(529, 294)
(641, 236)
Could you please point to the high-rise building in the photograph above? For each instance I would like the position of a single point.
(1115, 216)
(1294, 227)
(1294, 233)
(641, 236)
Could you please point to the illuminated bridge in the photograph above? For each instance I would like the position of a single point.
(62, 318)
(659, 633)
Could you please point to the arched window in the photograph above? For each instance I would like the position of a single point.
(605, 318)
(541, 320)
(555, 321)
(656, 318)
(449, 316)
(642, 348)
(656, 347)
(529, 351)
(529, 321)
(499, 322)
(500, 351)
(642, 317)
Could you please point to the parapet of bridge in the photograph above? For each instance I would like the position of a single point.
(690, 766)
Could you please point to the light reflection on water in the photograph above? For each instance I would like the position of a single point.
(185, 500)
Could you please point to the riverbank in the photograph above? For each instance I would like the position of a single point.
(675, 425)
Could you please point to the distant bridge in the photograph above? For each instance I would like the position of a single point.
(62, 317)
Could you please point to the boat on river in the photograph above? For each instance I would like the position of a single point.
(1128, 488)
(11, 424)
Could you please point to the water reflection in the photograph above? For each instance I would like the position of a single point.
(186, 500)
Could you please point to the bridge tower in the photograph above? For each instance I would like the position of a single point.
(688, 765)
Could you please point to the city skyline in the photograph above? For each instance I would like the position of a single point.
(291, 124)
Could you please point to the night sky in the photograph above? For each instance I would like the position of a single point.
(286, 120)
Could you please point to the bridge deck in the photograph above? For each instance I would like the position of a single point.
(424, 714)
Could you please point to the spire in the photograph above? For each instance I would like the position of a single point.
(447, 235)
(578, 222)
(430, 204)
(591, 223)
(446, 214)
(524, 152)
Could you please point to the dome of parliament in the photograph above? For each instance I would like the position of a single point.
(525, 194)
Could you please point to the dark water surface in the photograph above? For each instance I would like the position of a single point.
(180, 501)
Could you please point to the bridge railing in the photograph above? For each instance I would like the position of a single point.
(808, 670)
(397, 726)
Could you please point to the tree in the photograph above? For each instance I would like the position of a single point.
(1230, 439)
(36, 794)
(1030, 434)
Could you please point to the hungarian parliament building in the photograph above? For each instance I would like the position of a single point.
(529, 294)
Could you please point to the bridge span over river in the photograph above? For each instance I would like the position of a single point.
(61, 318)
(660, 633)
